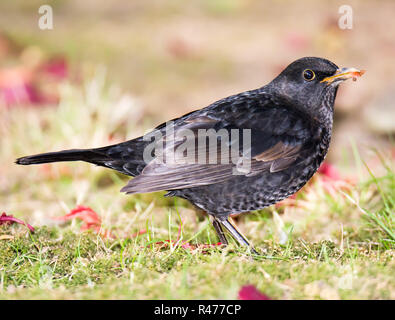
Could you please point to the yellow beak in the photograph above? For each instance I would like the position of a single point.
(344, 74)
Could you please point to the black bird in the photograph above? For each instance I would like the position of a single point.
(288, 122)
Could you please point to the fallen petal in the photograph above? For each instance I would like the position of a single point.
(57, 67)
(86, 214)
(90, 218)
(249, 292)
(4, 218)
(329, 171)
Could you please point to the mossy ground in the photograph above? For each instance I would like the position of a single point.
(320, 246)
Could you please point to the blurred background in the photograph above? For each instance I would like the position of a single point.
(176, 56)
(109, 71)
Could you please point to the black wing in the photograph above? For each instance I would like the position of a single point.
(278, 136)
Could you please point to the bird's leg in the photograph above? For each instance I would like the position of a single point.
(220, 231)
(229, 224)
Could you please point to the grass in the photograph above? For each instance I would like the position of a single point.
(337, 245)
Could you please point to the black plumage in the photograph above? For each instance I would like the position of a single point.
(290, 122)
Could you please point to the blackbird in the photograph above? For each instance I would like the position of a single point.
(284, 130)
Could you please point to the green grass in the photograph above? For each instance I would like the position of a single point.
(327, 246)
(53, 264)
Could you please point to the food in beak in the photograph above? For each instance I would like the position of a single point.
(344, 74)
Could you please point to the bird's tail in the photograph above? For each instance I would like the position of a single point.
(125, 157)
(88, 155)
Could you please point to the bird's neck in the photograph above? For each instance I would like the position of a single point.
(321, 114)
(325, 111)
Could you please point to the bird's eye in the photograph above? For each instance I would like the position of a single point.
(308, 75)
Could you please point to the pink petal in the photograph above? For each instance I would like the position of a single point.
(90, 218)
(4, 218)
(249, 292)
(86, 214)
(329, 171)
(56, 67)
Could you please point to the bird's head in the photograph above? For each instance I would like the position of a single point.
(311, 84)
